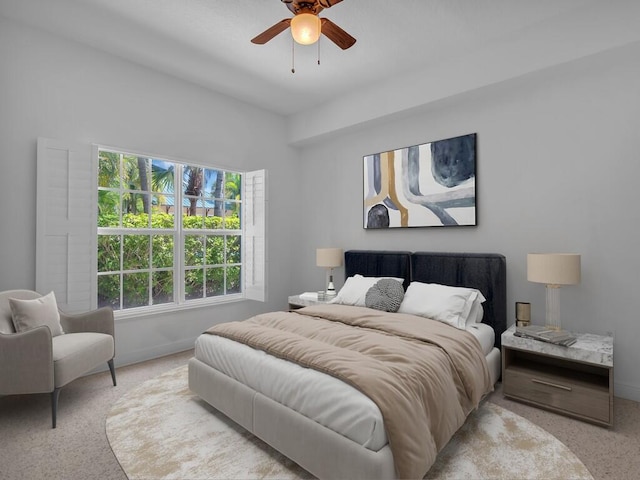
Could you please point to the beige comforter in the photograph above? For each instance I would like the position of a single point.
(424, 376)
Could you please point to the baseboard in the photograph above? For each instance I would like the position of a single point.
(630, 392)
(156, 351)
(129, 358)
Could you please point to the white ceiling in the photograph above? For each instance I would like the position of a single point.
(207, 42)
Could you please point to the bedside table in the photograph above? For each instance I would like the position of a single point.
(296, 302)
(576, 381)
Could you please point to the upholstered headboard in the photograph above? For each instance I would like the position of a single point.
(378, 263)
(485, 271)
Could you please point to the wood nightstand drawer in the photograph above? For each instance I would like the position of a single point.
(576, 381)
(573, 396)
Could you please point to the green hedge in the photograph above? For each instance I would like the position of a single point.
(203, 254)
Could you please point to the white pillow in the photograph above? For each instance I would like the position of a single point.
(476, 313)
(28, 314)
(355, 290)
(450, 305)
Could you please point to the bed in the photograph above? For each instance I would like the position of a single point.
(305, 428)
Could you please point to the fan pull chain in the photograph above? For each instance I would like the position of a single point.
(318, 51)
(293, 56)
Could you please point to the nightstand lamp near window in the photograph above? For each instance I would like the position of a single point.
(329, 258)
(554, 270)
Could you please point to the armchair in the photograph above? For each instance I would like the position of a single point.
(34, 361)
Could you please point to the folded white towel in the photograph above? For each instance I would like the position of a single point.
(309, 296)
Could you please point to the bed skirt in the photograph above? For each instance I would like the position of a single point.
(304, 441)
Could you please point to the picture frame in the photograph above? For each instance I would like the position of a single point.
(426, 185)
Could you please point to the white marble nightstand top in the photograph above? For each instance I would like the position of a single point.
(589, 348)
(306, 302)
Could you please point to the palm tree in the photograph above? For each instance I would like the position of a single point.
(162, 181)
(134, 177)
(159, 179)
(108, 177)
(217, 193)
(109, 169)
(143, 163)
(131, 176)
(162, 178)
(233, 189)
(193, 187)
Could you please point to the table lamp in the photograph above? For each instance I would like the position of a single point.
(554, 270)
(329, 258)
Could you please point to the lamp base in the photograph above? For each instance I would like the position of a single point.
(331, 289)
(552, 321)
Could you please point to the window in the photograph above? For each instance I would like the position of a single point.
(163, 233)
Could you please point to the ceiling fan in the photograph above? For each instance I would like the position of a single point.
(306, 26)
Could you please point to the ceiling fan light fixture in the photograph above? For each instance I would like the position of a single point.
(306, 28)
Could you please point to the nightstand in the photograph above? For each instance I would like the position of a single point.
(576, 381)
(296, 302)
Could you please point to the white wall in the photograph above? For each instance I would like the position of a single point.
(55, 88)
(558, 169)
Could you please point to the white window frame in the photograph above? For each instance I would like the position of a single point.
(66, 243)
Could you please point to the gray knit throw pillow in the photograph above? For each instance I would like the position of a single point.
(385, 295)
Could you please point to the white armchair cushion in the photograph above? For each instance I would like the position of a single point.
(77, 353)
(28, 314)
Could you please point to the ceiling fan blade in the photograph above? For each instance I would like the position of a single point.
(271, 32)
(336, 34)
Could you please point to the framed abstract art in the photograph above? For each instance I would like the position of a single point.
(427, 185)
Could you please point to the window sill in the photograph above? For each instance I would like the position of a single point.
(173, 307)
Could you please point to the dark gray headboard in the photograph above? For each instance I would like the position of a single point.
(485, 271)
(378, 263)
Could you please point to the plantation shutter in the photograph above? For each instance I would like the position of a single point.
(66, 223)
(255, 259)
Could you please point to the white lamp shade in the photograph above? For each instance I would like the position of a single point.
(306, 28)
(329, 257)
(553, 268)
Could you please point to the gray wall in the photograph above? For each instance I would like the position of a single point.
(557, 171)
(54, 88)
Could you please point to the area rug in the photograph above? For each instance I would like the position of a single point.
(162, 430)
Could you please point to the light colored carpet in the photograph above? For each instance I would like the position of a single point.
(161, 430)
(78, 449)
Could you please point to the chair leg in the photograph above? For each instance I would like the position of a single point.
(54, 405)
(113, 371)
